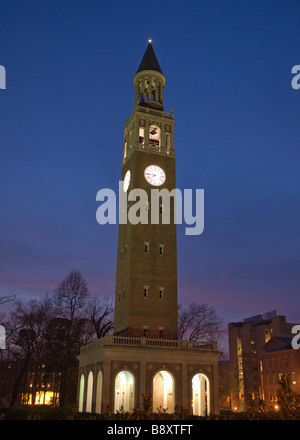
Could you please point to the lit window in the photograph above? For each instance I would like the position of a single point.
(154, 136)
(125, 150)
(141, 135)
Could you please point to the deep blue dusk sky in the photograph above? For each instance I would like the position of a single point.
(70, 65)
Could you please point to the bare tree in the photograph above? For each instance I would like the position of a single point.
(70, 296)
(28, 323)
(4, 300)
(45, 336)
(199, 322)
(100, 313)
(67, 330)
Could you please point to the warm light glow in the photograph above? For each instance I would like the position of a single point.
(163, 391)
(124, 391)
(201, 400)
(149, 41)
(41, 398)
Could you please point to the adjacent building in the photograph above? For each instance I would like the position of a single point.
(278, 359)
(256, 346)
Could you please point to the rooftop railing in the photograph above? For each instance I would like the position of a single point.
(111, 340)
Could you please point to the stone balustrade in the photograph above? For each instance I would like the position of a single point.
(111, 340)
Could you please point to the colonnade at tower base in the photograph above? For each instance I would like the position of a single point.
(115, 373)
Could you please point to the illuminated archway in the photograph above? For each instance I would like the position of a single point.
(81, 394)
(201, 395)
(163, 391)
(89, 395)
(99, 392)
(124, 391)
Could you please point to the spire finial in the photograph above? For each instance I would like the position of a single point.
(149, 61)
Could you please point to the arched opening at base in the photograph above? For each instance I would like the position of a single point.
(81, 393)
(89, 393)
(124, 392)
(201, 395)
(99, 392)
(163, 392)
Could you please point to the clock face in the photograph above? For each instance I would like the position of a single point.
(155, 175)
(126, 181)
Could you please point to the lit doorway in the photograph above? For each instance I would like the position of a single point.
(81, 393)
(89, 394)
(163, 392)
(201, 395)
(124, 392)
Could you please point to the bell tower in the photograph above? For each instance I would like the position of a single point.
(146, 279)
(144, 357)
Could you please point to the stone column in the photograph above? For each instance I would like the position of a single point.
(85, 372)
(163, 145)
(142, 382)
(136, 93)
(184, 403)
(147, 128)
(108, 389)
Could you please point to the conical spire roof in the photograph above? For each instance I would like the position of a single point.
(149, 61)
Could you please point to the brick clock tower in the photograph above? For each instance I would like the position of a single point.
(144, 356)
(146, 282)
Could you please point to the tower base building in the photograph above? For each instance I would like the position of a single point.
(144, 356)
(117, 372)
